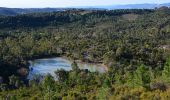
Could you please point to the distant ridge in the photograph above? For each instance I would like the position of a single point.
(16, 11)
(128, 6)
(138, 6)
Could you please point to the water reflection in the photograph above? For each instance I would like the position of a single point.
(50, 65)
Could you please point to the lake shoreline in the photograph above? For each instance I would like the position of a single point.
(68, 58)
(50, 65)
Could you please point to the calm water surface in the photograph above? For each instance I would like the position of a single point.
(50, 65)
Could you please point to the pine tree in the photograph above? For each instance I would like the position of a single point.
(166, 71)
(48, 86)
(118, 79)
(141, 76)
(130, 79)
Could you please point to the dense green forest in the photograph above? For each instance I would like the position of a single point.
(134, 44)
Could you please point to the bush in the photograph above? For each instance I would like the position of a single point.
(158, 86)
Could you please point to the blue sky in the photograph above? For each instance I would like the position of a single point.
(70, 3)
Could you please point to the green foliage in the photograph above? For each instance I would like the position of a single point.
(61, 75)
(118, 78)
(14, 81)
(48, 85)
(102, 93)
(166, 71)
(141, 76)
(48, 82)
(130, 79)
(108, 37)
(94, 36)
(75, 67)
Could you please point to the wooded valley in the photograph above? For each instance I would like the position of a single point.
(134, 44)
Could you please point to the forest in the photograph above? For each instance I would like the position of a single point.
(134, 44)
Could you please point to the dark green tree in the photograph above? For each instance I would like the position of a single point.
(75, 67)
(61, 75)
(166, 70)
(141, 76)
(48, 85)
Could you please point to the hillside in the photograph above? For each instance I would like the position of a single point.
(132, 43)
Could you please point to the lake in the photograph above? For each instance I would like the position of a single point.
(50, 65)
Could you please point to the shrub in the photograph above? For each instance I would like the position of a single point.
(158, 86)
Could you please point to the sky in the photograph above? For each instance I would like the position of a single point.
(70, 3)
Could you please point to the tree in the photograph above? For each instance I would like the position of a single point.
(14, 81)
(75, 67)
(48, 86)
(61, 75)
(119, 52)
(118, 78)
(166, 70)
(130, 79)
(141, 76)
